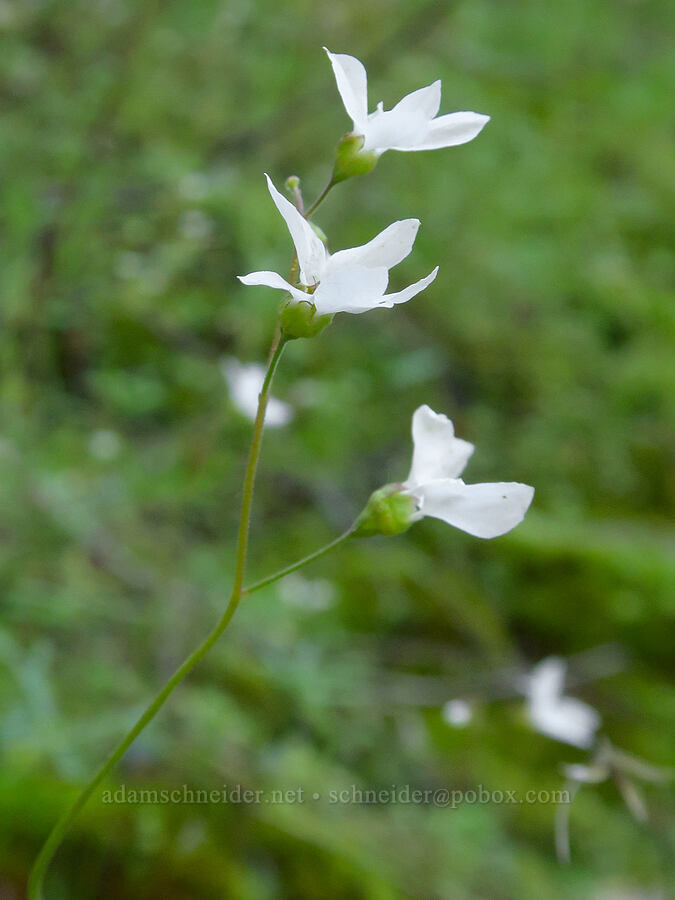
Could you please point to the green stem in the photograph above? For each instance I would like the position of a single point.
(319, 200)
(63, 824)
(299, 564)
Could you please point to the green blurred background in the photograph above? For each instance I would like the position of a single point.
(133, 138)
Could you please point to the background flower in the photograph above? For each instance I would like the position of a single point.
(553, 713)
(245, 381)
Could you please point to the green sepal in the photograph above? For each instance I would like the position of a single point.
(298, 319)
(388, 511)
(350, 160)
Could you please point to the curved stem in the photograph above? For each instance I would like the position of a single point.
(63, 824)
(319, 200)
(299, 564)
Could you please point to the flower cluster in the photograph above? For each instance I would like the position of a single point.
(322, 284)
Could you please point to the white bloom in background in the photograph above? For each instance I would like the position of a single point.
(552, 713)
(312, 595)
(457, 713)
(195, 225)
(104, 444)
(439, 458)
(353, 280)
(411, 124)
(245, 381)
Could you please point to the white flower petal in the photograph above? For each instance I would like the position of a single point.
(425, 102)
(394, 130)
(593, 774)
(546, 681)
(353, 289)
(408, 293)
(457, 713)
(483, 510)
(451, 130)
(273, 280)
(567, 720)
(352, 83)
(552, 713)
(308, 245)
(437, 453)
(404, 126)
(387, 249)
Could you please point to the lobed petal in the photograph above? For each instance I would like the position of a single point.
(273, 280)
(353, 289)
(546, 681)
(308, 245)
(483, 510)
(408, 293)
(404, 126)
(352, 83)
(424, 102)
(387, 249)
(568, 720)
(437, 453)
(451, 130)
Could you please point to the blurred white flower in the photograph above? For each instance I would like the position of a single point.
(347, 281)
(195, 225)
(457, 713)
(562, 718)
(483, 510)
(411, 124)
(313, 595)
(245, 381)
(104, 444)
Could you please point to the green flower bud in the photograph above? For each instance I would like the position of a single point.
(350, 160)
(388, 511)
(298, 319)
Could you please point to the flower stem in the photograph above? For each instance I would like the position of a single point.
(63, 824)
(319, 200)
(299, 564)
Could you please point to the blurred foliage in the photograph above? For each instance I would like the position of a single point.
(133, 138)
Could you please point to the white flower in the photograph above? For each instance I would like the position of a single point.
(439, 458)
(245, 381)
(347, 281)
(552, 713)
(411, 124)
(457, 713)
(104, 444)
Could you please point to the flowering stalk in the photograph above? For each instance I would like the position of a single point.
(322, 284)
(63, 824)
(270, 579)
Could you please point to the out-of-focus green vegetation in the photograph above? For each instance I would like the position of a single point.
(133, 138)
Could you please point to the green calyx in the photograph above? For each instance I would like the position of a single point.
(388, 511)
(350, 160)
(299, 319)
